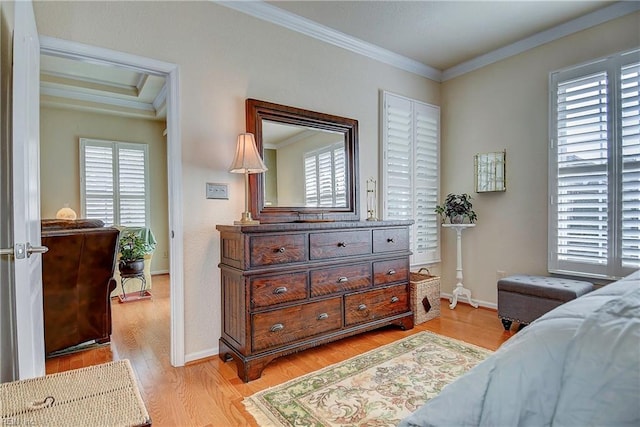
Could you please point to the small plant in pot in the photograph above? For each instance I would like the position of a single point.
(132, 251)
(457, 207)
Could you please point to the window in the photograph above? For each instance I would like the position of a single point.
(325, 177)
(594, 166)
(410, 171)
(114, 182)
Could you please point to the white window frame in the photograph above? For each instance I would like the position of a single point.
(427, 225)
(116, 146)
(611, 264)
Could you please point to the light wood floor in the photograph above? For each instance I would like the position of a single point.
(209, 392)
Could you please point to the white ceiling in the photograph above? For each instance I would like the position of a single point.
(436, 39)
(440, 34)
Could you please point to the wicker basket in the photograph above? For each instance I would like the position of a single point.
(100, 395)
(425, 291)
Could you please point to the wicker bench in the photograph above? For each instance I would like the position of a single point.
(524, 298)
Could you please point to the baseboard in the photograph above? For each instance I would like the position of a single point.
(480, 303)
(204, 354)
(157, 272)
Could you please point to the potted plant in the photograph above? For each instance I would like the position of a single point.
(132, 251)
(456, 207)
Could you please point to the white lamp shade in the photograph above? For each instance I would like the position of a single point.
(66, 213)
(247, 158)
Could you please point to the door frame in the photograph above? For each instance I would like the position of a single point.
(83, 52)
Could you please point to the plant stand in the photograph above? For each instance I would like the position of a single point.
(135, 296)
(460, 290)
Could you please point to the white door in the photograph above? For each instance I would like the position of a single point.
(26, 194)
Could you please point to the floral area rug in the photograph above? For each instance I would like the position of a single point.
(377, 388)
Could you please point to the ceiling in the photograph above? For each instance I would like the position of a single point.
(72, 83)
(440, 34)
(436, 39)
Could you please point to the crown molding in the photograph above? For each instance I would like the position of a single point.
(592, 19)
(275, 15)
(261, 10)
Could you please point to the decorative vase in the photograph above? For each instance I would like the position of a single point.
(456, 219)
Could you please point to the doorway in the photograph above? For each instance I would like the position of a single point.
(114, 60)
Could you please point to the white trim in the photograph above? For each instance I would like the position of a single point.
(275, 15)
(592, 19)
(100, 99)
(203, 354)
(485, 304)
(159, 272)
(82, 52)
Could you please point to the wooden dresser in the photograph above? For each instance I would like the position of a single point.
(291, 286)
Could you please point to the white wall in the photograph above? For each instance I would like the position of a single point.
(225, 57)
(60, 133)
(505, 105)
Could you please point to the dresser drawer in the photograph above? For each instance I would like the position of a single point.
(391, 239)
(290, 324)
(276, 289)
(375, 304)
(279, 249)
(395, 270)
(339, 244)
(337, 279)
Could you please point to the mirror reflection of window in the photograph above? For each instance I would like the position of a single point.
(286, 149)
(325, 177)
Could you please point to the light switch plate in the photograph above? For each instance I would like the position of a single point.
(217, 191)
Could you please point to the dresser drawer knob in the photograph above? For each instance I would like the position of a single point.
(342, 244)
(362, 307)
(342, 279)
(323, 316)
(391, 272)
(281, 249)
(390, 240)
(395, 299)
(277, 327)
(280, 290)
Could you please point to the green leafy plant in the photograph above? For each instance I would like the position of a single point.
(132, 246)
(456, 205)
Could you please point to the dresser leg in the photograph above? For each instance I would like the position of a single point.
(406, 323)
(248, 369)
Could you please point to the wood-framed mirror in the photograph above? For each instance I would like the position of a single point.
(312, 159)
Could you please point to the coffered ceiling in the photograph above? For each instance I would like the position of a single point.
(88, 86)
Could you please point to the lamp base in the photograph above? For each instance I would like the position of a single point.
(246, 220)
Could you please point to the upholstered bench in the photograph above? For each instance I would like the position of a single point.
(523, 298)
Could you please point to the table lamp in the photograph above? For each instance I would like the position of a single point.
(247, 160)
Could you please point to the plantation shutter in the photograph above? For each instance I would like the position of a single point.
(630, 134)
(325, 177)
(98, 183)
(114, 183)
(583, 187)
(594, 182)
(411, 135)
(340, 175)
(132, 186)
(310, 181)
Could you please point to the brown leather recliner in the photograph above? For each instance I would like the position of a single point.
(77, 278)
